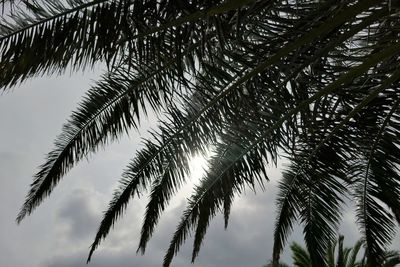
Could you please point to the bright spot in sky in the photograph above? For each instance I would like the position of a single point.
(198, 167)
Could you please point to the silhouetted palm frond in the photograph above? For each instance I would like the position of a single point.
(314, 82)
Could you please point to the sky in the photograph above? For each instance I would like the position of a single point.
(60, 231)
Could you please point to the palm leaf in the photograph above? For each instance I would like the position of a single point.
(301, 258)
(353, 254)
(111, 108)
(59, 35)
(376, 222)
(164, 158)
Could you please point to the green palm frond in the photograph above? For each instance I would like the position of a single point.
(343, 253)
(330, 254)
(320, 215)
(352, 261)
(300, 256)
(283, 204)
(287, 209)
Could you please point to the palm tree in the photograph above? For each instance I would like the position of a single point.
(314, 82)
(346, 257)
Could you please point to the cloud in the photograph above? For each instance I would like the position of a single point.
(79, 215)
(105, 259)
(246, 242)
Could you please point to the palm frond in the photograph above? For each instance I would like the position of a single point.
(353, 254)
(287, 199)
(320, 215)
(226, 177)
(342, 253)
(110, 108)
(287, 209)
(197, 200)
(89, 32)
(300, 256)
(163, 161)
(376, 222)
(330, 254)
(58, 35)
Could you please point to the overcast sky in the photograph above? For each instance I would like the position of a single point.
(61, 230)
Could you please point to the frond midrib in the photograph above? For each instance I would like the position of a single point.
(372, 150)
(67, 12)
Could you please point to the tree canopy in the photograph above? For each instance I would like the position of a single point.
(337, 255)
(313, 82)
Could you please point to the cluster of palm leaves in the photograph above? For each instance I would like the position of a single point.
(345, 256)
(315, 83)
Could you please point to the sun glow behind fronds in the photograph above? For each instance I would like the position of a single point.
(198, 167)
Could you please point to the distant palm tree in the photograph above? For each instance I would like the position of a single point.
(313, 81)
(345, 257)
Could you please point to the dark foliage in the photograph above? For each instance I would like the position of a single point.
(314, 82)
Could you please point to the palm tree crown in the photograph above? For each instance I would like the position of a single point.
(345, 257)
(314, 82)
(340, 257)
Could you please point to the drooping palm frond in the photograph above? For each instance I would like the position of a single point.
(164, 161)
(369, 191)
(60, 160)
(287, 221)
(49, 37)
(198, 121)
(226, 177)
(329, 200)
(110, 108)
(331, 208)
(311, 81)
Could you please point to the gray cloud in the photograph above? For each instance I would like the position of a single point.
(79, 214)
(246, 242)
